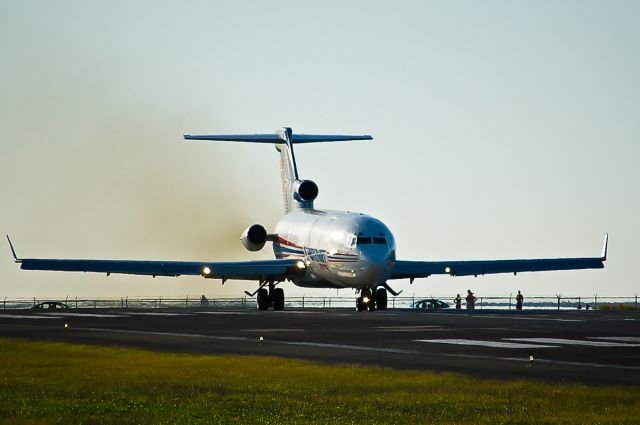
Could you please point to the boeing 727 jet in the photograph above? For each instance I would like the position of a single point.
(314, 248)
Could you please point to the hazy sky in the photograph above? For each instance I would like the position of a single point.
(503, 129)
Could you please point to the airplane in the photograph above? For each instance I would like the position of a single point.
(314, 248)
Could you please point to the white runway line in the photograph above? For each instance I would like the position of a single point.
(178, 334)
(272, 330)
(64, 314)
(410, 328)
(539, 360)
(160, 314)
(493, 344)
(346, 347)
(563, 341)
(618, 338)
(28, 316)
(531, 318)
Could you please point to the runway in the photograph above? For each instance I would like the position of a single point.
(590, 347)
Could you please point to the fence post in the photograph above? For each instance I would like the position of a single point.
(510, 295)
(480, 303)
(126, 302)
(186, 302)
(160, 302)
(636, 299)
(324, 302)
(595, 299)
(4, 303)
(393, 302)
(95, 303)
(303, 301)
(579, 304)
(558, 296)
(76, 301)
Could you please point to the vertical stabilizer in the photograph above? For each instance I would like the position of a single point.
(287, 176)
(296, 193)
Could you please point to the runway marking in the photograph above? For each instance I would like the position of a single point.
(539, 360)
(346, 347)
(178, 334)
(272, 330)
(28, 316)
(160, 314)
(618, 338)
(531, 318)
(493, 344)
(227, 312)
(411, 328)
(564, 341)
(64, 314)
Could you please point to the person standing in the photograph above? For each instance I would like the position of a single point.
(519, 301)
(458, 302)
(471, 300)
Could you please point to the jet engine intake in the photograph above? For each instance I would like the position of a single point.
(305, 190)
(254, 237)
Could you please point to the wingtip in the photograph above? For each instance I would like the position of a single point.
(13, 251)
(605, 246)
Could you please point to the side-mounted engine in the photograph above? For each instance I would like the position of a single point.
(305, 192)
(254, 237)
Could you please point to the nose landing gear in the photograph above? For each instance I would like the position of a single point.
(369, 300)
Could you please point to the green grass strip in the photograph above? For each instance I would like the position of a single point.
(44, 382)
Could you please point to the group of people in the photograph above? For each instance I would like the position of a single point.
(471, 300)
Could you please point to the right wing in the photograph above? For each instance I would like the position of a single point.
(417, 269)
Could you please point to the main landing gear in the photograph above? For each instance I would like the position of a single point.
(370, 300)
(274, 297)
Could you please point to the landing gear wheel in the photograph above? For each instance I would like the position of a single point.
(278, 299)
(381, 299)
(263, 299)
(359, 304)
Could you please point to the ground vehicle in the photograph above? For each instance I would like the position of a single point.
(50, 305)
(429, 304)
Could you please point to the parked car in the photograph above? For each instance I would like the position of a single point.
(430, 304)
(50, 305)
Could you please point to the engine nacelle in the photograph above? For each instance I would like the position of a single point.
(305, 190)
(254, 237)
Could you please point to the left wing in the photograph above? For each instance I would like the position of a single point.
(240, 270)
(417, 269)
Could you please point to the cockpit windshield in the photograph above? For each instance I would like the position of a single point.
(367, 240)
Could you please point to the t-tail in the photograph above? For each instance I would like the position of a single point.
(296, 193)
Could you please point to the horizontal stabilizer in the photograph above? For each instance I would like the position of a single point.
(278, 137)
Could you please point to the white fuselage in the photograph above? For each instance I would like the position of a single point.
(340, 249)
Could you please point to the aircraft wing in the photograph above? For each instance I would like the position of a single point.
(417, 269)
(240, 270)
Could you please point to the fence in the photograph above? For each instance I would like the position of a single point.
(556, 302)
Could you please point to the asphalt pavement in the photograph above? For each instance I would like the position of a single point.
(589, 347)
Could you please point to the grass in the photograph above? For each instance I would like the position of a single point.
(44, 382)
(618, 307)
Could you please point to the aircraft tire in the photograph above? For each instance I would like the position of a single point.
(263, 300)
(381, 299)
(359, 304)
(278, 299)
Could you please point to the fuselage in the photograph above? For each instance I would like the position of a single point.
(340, 249)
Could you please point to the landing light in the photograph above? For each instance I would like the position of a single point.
(206, 270)
(300, 264)
(366, 300)
(447, 269)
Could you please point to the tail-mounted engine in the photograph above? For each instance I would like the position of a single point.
(305, 191)
(254, 237)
